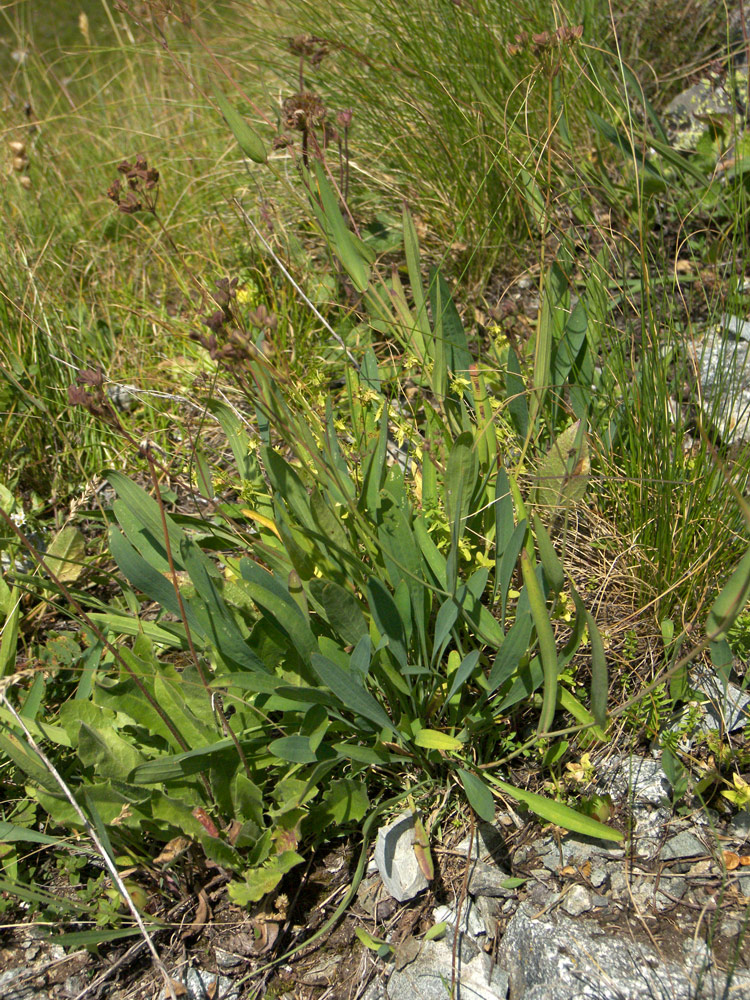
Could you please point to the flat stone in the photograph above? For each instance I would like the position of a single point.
(429, 977)
(471, 920)
(396, 859)
(226, 960)
(684, 845)
(598, 876)
(551, 957)
(637, 780)
(487, 880)
(739, 328)
(200, 984)
(17, 984)
(669, 892)
(740, 826)
(727, 709)
(488, 842)
(574, 849)
(724, 369)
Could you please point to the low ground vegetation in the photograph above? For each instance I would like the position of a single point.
(354, 454)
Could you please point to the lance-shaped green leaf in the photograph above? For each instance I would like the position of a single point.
(546, 637)
(730, 602)
(460, 480)
(350, 692)
(479, 795)
(247, 138)
(347, 249)
(557, 813)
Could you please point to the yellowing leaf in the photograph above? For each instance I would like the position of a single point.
(431, 739)
(65, 554)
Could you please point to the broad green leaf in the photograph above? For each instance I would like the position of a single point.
(508, 565)
(9, 632)
(388, 619)
(342, 610)
(504, 516)
(436, 932)
(21, 754)
(172, 767)
(563, 474)
(431, 739)
(12, 834)
(534, 199)
(372, 943)
(203, 475)
(569, 703)
(451, 334)
(446, 619)
(479, 795)
(346, 801)
(65, 554)
(465, 669)
(289, 486)
(599, 674)
(460, 480)
(422, 334)
(343, 242)
(557, 813)
(730, 602)
(107, 753)
(295, 749)
(247, 138)
(374, 474)
(514, 647)
(515, 395)
(553, 568)
(237, 437)
(85, 939)
(260, 881)
(546, 638)
(351, 693)
(146, 513)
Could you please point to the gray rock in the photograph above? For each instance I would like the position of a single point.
(638, 780)
(227, 960)
(738, 328)
(740, 825)
(396, 860)
(574, 849)
(555, 958)
(471, 919)
(429, 977)
(724, 369)
(577, 900)
(20, 984)
(669, 892)
(488, 842)
(688, 115)
(201, 984)
(684, 845)
(726, 708)
(598, 876)
(487, 880)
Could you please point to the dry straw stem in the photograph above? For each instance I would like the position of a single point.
(109, 864)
